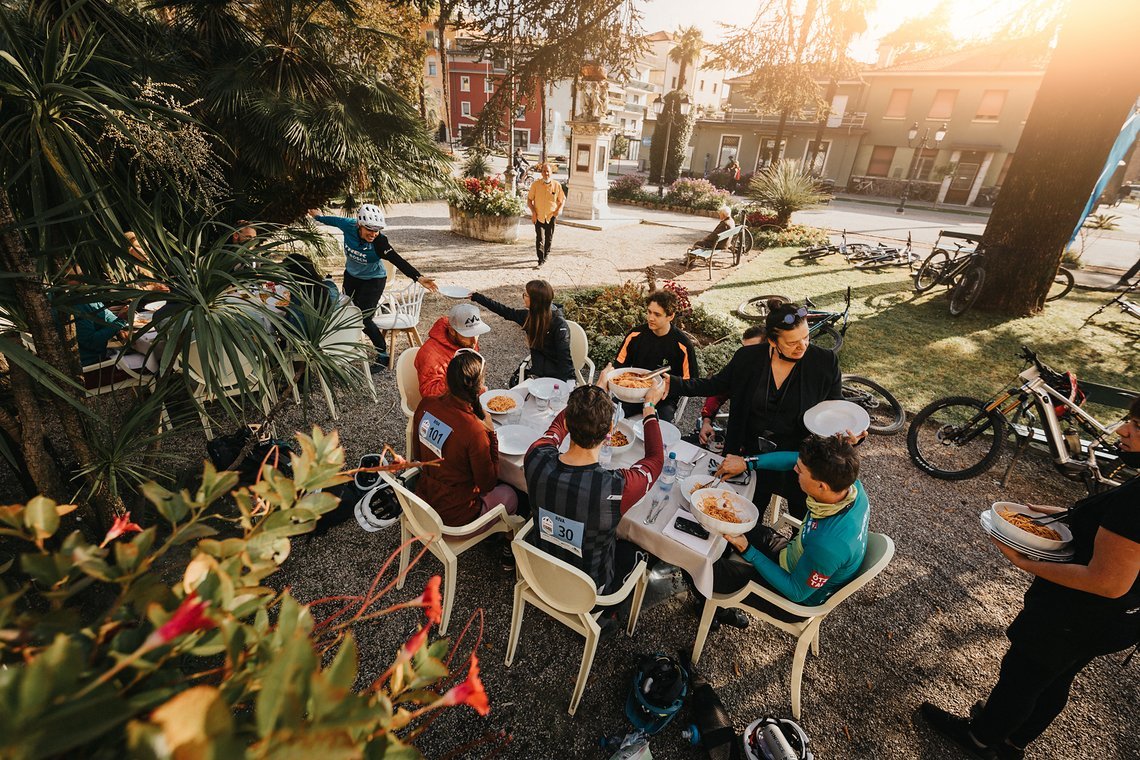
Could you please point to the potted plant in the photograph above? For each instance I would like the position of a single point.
(484, 209)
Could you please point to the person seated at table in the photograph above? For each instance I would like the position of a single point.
(460, 328)
(317, 294)
(709, 241)
(243, 233)
(827, 550)
(139, 254)
(576, 504)
(754, 335)
(95, 326)
(1074, 612)
(547, 334)
(771, 386)
(657, 343)
(455, 430)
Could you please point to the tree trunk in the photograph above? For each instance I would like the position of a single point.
(445, 11)
(829, 96)
(1086, 94)
(776, 153)
(542, 104)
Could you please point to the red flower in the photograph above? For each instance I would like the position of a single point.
(121, 525)
(189, 617)
(415, 643)
(470, 692)
(430, 600)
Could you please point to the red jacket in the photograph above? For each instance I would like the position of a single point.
(445, 428)
(433, 357)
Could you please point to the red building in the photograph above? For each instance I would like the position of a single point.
(471, 84)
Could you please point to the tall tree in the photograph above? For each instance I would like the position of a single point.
(924, 35)
(849, 20)
(687, 51)
(1088, 90)
(671, 133)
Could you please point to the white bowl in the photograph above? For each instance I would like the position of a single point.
(630, 436)
(745, 510)
(629, 395)
(488, 395)
(1024, 537)
(686, 484)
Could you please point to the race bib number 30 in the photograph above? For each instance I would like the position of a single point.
(433, 433)
(561, 531)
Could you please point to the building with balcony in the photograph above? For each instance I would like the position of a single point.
(472, 81)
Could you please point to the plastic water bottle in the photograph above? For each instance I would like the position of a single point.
(668, 477)
(557, 402)
(605, 454)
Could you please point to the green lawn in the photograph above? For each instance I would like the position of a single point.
(912, 345)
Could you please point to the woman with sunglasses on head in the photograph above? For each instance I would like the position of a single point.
(547, 334)
(770, 386)
(455, 430)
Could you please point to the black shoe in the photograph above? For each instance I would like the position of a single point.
(506, 556)
(1005, 751)
(608, 622)
(729, 616)
(956, 730)
(382, 357)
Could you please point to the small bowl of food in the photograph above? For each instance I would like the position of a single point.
(622, 438)
(629, 384)
(501, 402)
(693, 483)
(1015, 522)
(722, 510)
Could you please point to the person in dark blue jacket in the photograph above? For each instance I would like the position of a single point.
(547, 334)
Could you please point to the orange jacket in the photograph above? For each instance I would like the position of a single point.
(433, 357)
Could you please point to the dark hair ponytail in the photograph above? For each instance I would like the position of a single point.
(464, 378)
(778, 312)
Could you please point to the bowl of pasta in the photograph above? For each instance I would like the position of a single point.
(629, 384)
(622, 438)
(722, 510)
(1015, 522)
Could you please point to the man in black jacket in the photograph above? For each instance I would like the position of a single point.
(658, 343)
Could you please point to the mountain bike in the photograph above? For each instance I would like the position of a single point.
(889, 257)
(959, 437)
(845, 249)
(821, 324)
(942, 267)
(1128, 307)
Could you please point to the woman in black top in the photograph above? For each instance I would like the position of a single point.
(1074, 612)
(770, 386)
(547, 333)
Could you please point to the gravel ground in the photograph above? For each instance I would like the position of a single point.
(930, 627)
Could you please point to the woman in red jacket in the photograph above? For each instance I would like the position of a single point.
(455, 429)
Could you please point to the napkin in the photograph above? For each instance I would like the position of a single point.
(701, 546)
(685, 451)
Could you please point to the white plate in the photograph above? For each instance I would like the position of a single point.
(831, 417)
(455, 291)
(745, 510)
(686, 484)
(1063, 555)
(509, 394)
(514, 440)
(153, 305)
(669, 432)
(543, 387)
(1024, 537)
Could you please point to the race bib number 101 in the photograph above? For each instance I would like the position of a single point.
(433, 433)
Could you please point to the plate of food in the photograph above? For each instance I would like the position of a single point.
(694, 483)
(1060, 555)
(629, 384)
(722, 510)
(514, 440)
(622, 438)
(455, 291)
(834, 417)
(1015, 521)
(501, 402)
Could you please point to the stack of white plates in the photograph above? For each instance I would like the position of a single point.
(1057, 555)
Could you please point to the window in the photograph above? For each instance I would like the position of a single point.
(924, 163)
(990, 107)
(465, 108)
(431, 67)
(943, 105)
(674, 85)
(623, 123)
(465, 84)
(881, 158)
(429, 35)
(714, 88)
(820, 156)
(898, 104)
(488, 85)
(701, 85)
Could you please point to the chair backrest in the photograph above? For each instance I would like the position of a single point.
(579, 347)
(343, 338)
(422, 519)
(408, 381)
(880, 550)
(220, 366)
(559, 584)
(408, 301)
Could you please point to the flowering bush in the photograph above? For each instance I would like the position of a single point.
(696, 193)
(628, 187)
(101, 656)
(792, 236)
(684, 304)
(489, 196)
(760, 217)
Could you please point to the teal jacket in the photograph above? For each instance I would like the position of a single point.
(833, 547)
(95, 324)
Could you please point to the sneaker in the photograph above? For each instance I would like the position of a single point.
(1005, 751)
(382, 357)
(957, 730)
(506, 556)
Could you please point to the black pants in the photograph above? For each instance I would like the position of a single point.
(730, 575)
(365, 294)
(783, 483)
(1048, 647)
(543, 235)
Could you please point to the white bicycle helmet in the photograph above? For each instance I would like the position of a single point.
(371, 216)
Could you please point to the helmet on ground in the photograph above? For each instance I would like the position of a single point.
(371, 216)
(658, 692)
(377, 509)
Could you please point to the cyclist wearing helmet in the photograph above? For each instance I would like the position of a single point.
(365, 250)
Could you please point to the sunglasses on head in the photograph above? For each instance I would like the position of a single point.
(793, 316)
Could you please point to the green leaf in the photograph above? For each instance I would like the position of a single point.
(40, 515)
(171, 506)
(282, 695)
(48, 569)
(197, 530)
(342, 671)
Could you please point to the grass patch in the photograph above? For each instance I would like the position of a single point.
(912, 345)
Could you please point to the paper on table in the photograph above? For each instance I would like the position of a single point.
(701, 546)
(685, 451)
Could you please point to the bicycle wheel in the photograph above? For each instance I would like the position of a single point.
(967, 290)
(755, 309)
(860, 251)
(826, 336)
(746, 236)
(887, 416)
(930, 273)
(891, 257)
(955, 438)
(1063, 282)
(816, 253)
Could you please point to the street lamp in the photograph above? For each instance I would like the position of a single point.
(683, 105)
(911, 137)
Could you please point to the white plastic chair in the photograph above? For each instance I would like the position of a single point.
(408, 384)
(399, 312)
(344, 338)
(224, 378)
(418, 520)
(580, 352)
(133, 380)
(880, 549)
(569, 596)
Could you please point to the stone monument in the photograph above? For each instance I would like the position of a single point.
(588, 193)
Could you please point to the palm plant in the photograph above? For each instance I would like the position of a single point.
(786, 187)
(687, 51)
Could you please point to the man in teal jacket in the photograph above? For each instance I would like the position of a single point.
(826, 551)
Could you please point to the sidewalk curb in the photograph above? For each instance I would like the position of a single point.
(914, 206)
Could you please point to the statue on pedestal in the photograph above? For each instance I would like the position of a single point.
(592, 100)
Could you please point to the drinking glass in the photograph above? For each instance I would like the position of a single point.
(541, 404)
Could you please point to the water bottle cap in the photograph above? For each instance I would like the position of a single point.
(672, 454)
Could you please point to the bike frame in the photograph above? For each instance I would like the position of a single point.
(817, 318)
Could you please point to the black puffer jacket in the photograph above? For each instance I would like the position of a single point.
(553, 359)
